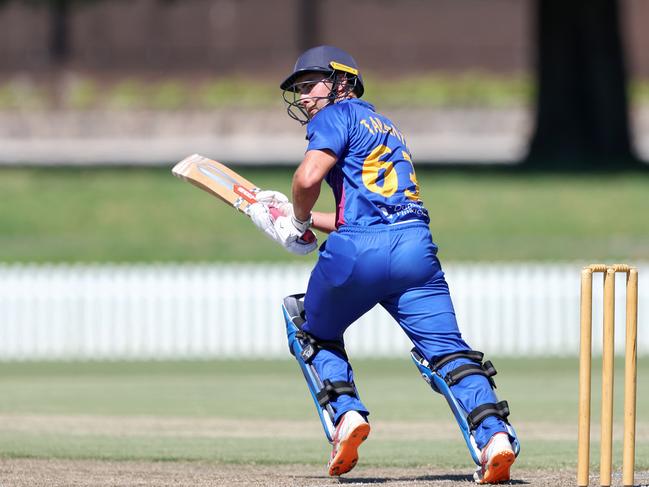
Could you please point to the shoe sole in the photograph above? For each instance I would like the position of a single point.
(347, 455)
(498, 468)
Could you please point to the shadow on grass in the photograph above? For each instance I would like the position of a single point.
(418, 478)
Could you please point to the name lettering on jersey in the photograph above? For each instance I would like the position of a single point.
(376, 125)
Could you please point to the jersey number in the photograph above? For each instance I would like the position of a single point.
(374, 169)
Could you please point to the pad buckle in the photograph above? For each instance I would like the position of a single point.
(311, 346)
(308, 352)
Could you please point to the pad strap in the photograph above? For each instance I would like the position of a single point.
(311, 346)
(478, 415)
(456, 375)
(470, 354)
(331, 390)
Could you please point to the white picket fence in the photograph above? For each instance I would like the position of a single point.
(73, 312)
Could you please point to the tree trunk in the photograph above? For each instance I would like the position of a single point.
(59, 32)
(308, 32)
(582, 107)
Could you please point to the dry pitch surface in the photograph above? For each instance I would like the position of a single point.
(86, 473)
(75, 473)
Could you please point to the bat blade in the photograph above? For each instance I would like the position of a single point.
(217, 179)
(221, 181)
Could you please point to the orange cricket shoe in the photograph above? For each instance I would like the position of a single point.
(352, 430)
(497, 459)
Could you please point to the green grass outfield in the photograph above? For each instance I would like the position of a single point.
(246, 412)
(128, 215)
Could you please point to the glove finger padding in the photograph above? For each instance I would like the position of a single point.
(261, 216)
(275, 199)
(269, 197)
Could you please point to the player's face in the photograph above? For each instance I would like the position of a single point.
(314, 90)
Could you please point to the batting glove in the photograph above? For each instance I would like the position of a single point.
(296, 238)
(295, 235)
(260, 215)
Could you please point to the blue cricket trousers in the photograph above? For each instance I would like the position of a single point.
(395, 266)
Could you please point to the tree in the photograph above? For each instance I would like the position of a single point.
(307, 24)
(59, 47)
(59, 28)
(582, 106)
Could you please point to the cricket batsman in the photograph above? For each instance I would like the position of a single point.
(379, 251)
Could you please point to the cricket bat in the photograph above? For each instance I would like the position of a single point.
(220, 181)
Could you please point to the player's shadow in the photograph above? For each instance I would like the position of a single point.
(420, 478)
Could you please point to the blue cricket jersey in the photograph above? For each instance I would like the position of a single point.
(373, 180)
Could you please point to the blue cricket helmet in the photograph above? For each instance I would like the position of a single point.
(325, 59)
